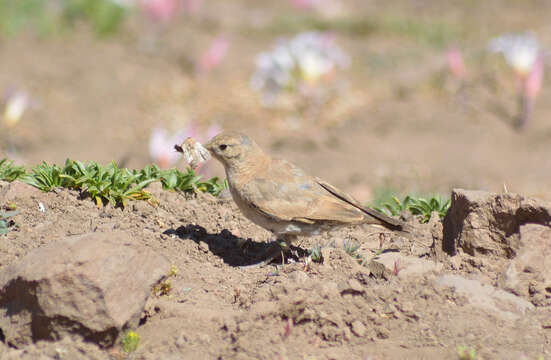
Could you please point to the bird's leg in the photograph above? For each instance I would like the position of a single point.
(275, 249)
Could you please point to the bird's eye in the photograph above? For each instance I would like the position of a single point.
(223, 147)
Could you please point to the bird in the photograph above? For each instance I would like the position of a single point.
(282, 198)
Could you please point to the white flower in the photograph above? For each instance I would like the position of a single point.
(16, 105)
(308, 57)
(520, 50)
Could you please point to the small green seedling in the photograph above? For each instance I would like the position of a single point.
(130, 342)
(11, 206)
(466, 353)
(351, 248)
(5, 224)
(163, 288)
(173, 271)
(315, 254)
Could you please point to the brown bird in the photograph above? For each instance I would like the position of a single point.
(282, 198)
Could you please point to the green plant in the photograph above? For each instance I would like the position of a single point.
(173, 271)
(130, 342)
(394, 207)
(47, 16)
(351, 248)
(466, 353)
(432, 32)
(44, 177)
(189, 182)
(163, 288)
(5, 224)
(416, 206)
(425, 207)
(9, 171)
(106, 16)
(315, 253)
(109, 183)
(17, 15)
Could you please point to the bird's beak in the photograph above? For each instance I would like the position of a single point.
(209, 146)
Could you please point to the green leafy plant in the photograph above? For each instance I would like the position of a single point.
(130, 342)
(117, 186)
(416, 206)
(9, 171)
(425, 207)
(394, 207)
(109, 184)
(45, 177)
(189, 182)
(5, 224)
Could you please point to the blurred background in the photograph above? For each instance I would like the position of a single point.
(374, 96)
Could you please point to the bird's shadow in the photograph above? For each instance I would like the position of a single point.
(233, 250)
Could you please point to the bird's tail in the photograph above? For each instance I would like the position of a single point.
(384, 220)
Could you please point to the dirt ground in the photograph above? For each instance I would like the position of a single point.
(399, 123)
(333, 310)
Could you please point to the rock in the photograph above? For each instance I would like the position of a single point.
(483, 223)
(352, 286)
(91, 285)
(407, 265)
(378, 270)
(358, 328)
(529, 273)
(355, 285)
(502, 303)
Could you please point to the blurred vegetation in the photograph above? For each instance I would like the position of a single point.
(45, 17)
(431, 32)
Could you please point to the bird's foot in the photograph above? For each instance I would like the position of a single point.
(275, 250)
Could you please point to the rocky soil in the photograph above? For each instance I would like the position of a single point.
(74, 278)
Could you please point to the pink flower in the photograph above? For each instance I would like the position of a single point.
(161, 147)
(305, 4)
(214, 55)
(162, 11)
(533, 83)
(455, 63)
(161, 142)
(192, 6)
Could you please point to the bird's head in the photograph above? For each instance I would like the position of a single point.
(233, 149)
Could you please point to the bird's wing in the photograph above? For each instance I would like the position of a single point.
(284, 192)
